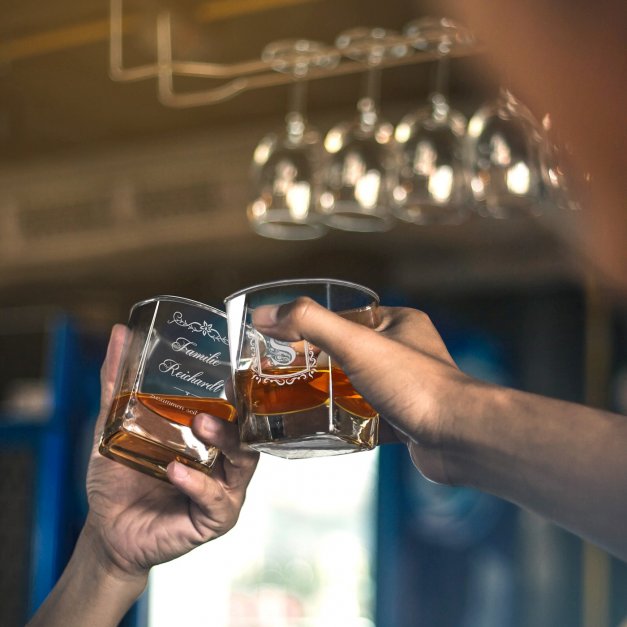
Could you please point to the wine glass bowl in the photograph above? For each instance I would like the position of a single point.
(286, 164)
(432, 185)
(284, 173)
(503, 157)
(361, 160)
(359, 174)
(432, 181)
(438, 34)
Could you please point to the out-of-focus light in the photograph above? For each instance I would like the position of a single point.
(500, 153)
(384, 133)
(297, 199)
(478, 188)
(285, 175)
(262, 152)
(354, 169)
(258, 208)
(327, 202)
(399, 193)
(424, 159)
(475, 126)
(553, 177)
(402, 133)
(518, 179)
(367, 189)
(441, 183)
(333, 141)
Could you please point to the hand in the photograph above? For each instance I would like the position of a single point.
(136, 521)
(402, 369)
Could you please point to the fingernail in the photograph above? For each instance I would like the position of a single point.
(179, 471)
(265, 315)
(205, 422)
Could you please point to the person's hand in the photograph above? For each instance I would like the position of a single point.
(402, 369)
(136, 521)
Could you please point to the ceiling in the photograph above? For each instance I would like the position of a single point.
(55, 90)
(59, 105)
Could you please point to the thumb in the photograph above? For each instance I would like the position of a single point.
(304, 319)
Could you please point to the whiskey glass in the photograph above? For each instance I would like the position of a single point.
(175, 364)
(293, 400)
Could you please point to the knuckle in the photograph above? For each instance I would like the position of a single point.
(300, 308)
(419, 316)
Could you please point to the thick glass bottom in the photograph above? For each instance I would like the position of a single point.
(148, 442)
(314, 432)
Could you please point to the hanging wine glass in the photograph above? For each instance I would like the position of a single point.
(563, 194)
(361, 160)
(285, 165)
(557, 181)
(433, 184)
(503, 156)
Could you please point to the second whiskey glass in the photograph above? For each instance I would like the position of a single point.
(293, 400)
(175, 364)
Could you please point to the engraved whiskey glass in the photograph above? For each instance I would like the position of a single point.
(175, 364)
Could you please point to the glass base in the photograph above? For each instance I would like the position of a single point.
(310, 433)
(346, 220)
(431, 214)
(148, 442)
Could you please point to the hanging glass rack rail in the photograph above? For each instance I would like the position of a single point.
(236, 78)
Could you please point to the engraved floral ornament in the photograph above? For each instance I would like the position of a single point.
(203, 327)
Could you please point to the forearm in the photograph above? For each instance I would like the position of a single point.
(88, 593)
(564, 461)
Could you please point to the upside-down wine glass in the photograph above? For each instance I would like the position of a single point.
(504, 144)
(433, 184)
(361, 162)
(286, 164)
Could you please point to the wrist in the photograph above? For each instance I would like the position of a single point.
(435, 449)
(474, 437)
(91, 591)
(93, 548)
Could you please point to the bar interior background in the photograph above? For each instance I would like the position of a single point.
(108, 197)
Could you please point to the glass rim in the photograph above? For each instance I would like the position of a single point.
(177, 299)
(314, 281)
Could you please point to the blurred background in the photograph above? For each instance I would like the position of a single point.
(111, 192)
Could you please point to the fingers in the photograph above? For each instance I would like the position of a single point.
(216, 499)
(210, 499)
(239, 462)
(111, 364)
(413, 328)
(108, 375)
(304, 319)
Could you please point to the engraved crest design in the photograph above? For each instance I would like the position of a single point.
(280, 354)
(203, 327)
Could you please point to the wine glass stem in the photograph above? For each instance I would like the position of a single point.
(373, 85)
(442, 75)
(297, 98)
